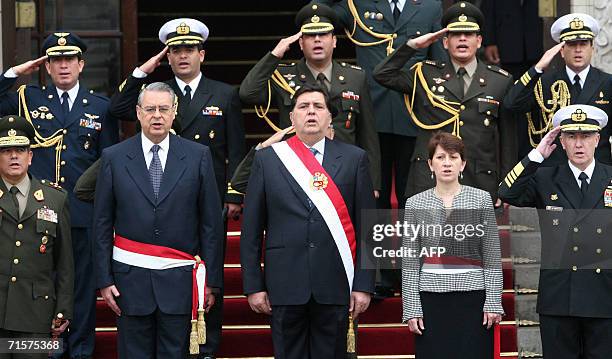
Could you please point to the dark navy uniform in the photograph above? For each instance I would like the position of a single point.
(36, 261)
(65, 146)
(576, 267)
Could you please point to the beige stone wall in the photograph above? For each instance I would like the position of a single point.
(602, 11)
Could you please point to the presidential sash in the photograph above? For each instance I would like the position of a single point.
(324, 194)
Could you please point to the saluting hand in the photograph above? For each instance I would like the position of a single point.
(424, 41)
(548, 145)
(154, 62)
(277, 137)
(548, 56)
(283, 45)
(28, 67)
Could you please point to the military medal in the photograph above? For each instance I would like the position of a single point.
(555, 222)
(347, 124)
(318, 181)
(211, 134)
(608, 197)
(554, 197)
(39, 195)
(438, 80)
(86, 145)
(44, 240)
(42, 249)
(379, 16)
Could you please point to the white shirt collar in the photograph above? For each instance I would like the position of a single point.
(400, 4)
(583, 74)
(72, 93)
(588, 171)
(193, 84)
(147, 144)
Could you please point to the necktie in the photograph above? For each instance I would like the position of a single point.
(576, 89)
(396, 10)
(14, 190)
(65, 106)
(155, 170)
(460, 74)
(584, 185)
(321, 81)
(185, 101)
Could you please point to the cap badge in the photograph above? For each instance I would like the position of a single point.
(576, 24)
(315, 19)
(182, 29)
(12, 132)
(61, 34)
(61, 41)
(579, 116)
(463, 18)
(462, 4)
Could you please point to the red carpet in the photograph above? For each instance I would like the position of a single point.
(247, 334)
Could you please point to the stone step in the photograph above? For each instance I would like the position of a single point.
(525, 307)
(525, 244)
(525, 216)
(526, 275)
(529, 341)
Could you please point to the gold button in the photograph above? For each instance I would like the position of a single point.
(62, 180)
(575, 248)
(489, 113)
(63, 147)
(574, 268)
(13, 279)
(197, 137)
(46, 297)
(65, 132)
(16, 261)
(17, 243)
(460, 123)
(63, 163)
(395, 36)
(462, 107)
(44, 240)
(598, 270)
(599, 230)
(489, 172)
(487, 122)
(20, 226)
(575, 229)
(598, 250)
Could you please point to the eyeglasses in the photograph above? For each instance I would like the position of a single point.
(150, 110)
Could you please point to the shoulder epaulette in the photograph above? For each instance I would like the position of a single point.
(499, 70)
(52, 185)
(434, 63)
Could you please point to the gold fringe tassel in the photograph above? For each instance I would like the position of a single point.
(350, 336)
(201, 327)
(194, 347)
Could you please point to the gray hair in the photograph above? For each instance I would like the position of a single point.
(159, 87)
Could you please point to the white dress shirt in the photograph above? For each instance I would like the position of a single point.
(72, 94)
(320, 147)
(536, 156)
(162, 153)
(583, 75)
(193, 84)
(400, 5)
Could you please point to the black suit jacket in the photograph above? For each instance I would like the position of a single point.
(213, 118)
(595, 92)
(301, 257)
(576, 271)
(185, 216)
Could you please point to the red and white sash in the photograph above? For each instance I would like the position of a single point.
(324, 194)
(151, 256)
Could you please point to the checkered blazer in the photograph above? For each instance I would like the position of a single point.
(476, 208)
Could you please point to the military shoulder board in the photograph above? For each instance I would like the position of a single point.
(52, 185)
(434, 63)
(498, 70)
(286, 64)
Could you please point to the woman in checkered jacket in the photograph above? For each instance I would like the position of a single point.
(451, 275)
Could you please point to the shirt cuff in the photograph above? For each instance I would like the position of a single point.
(10, 74)
(138, 73)
(540, 71)
(535, 156)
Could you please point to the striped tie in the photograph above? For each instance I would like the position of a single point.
(155, 170)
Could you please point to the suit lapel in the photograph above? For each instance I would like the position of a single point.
(591, 85)
(137, 168)
(199, 100)
(6, 202)
(336, 83)
(331, 158)
(173, 170)
(32, 204)
(78, 107)
(568, 186)
(452, 84)
(297, 190)
(384, 8)
(409, 11)
(594, 195)
(476, 87)
(53, 104)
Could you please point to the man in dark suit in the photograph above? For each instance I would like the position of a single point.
(35, 248)
(156, 195)
(574, 200)
(396, 21)
(72, 127)
(209, 112)
(463, 97)
(540, 93)
(346, 84)
(512, 34)
(307, 194)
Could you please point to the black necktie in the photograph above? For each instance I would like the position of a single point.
(396, 10)
(584, 185)
(14, 190)
(65, 106)
(321, 80)
(185, 101)
(576, 89)
(187, 97)
(460, 74)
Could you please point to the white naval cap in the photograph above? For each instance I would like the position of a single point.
(580, 118)
(574, 27)
(183, 31)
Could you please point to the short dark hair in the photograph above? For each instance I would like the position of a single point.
(306, 88)
(449, 143)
